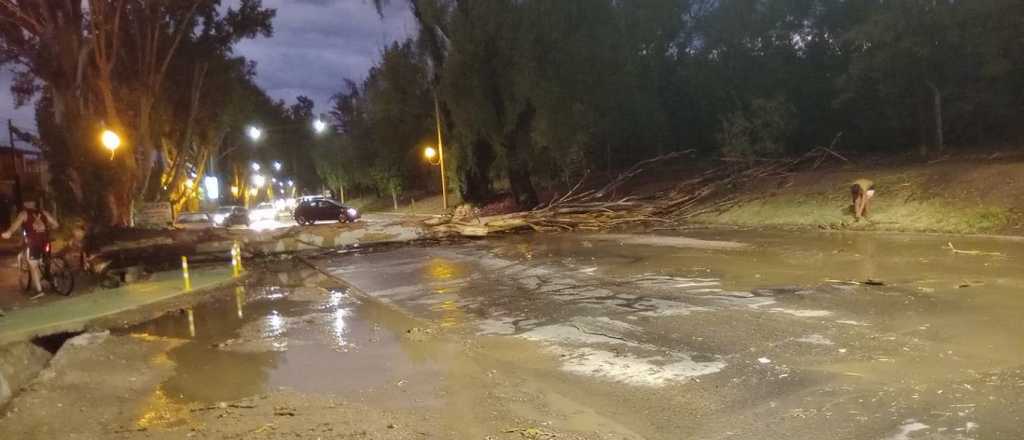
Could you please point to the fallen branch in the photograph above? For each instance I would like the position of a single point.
(963, 252)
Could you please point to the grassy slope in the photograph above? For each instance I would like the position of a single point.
(958, 196)
(424, 204)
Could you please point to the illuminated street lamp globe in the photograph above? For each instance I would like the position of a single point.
(255, 133)
(319, 126)
(430, 153)
(277, 166)
(255, 166)
(110, 141)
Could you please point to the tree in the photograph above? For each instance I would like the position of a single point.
(106, 64)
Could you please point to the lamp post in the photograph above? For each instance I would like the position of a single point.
(440, 153)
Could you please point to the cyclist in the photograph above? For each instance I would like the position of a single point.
(36, 224)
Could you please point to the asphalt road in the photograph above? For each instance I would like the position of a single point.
(718, 335)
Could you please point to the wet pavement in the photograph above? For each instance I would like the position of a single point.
(718, 335)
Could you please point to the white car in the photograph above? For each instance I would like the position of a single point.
(263, 211)
(193, 220)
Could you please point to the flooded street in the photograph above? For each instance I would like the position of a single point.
(718, 335)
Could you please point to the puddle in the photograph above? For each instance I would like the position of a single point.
(302, 339)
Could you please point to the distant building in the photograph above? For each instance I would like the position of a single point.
(28, 165)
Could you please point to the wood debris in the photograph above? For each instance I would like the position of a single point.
(604, 208)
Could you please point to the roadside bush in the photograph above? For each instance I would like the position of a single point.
(758, 131)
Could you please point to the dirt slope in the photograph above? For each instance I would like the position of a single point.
(980, 195)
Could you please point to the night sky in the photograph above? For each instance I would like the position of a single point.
(316, 45)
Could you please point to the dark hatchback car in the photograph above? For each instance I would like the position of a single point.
(312, 211)
(227, 216)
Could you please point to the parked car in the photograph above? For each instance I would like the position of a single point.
(263, 211)
(193, 220)
(312, 211)
(228, 216)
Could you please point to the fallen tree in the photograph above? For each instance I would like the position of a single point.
(604, 208)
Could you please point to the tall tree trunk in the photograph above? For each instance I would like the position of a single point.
(476, 172)
(394, 197)
(922, 128)
(517, 142)
(940, 142)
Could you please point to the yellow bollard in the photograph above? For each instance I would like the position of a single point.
(184, 273)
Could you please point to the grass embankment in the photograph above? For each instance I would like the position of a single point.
(425, 204)
(975, 196)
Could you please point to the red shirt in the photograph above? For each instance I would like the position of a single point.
(37, 231)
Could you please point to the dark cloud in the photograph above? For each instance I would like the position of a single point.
(317, 44)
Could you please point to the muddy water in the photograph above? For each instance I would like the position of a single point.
(723, 334)
(856, 335)
(304, 339)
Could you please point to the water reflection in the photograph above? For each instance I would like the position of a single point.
(339, 327)
(240, 301)
(441, 269)
(191, 323)
(251, 342)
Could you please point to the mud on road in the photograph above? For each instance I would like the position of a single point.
(570, 337)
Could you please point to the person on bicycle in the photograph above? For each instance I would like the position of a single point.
(36, 224)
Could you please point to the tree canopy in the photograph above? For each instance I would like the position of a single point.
(529, 94)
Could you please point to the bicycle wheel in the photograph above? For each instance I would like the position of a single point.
(24, 275)
(61, 277)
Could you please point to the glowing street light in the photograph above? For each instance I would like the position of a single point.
(430, 153)
(258, 180)
(255, 166)
(212, 185)
(255, 133)
(110, 141)
(319, 126)
(277, 166)
(290, 183)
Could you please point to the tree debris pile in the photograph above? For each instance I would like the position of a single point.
(605, 208)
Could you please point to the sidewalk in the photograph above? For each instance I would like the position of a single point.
(74, 313)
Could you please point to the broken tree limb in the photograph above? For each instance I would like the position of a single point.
(963, 252)
(600, 209)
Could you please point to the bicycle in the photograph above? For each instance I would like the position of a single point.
(54, 271)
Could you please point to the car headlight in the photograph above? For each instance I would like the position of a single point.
(352, 212)
(218, 219)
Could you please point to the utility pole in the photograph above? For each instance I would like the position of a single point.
(440, 153)
(14, 164)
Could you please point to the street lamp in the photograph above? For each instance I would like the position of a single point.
(212, 185)
(255, 167)
(110, 141)
(277, 166)
(319, 126)
(431, 153)
(255, 133)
